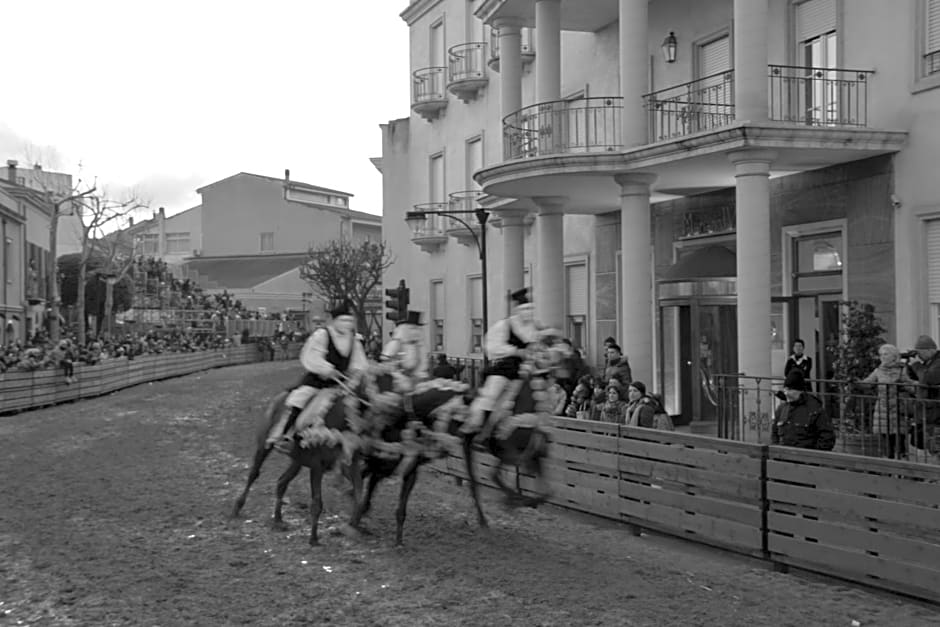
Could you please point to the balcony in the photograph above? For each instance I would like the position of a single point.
(431, 236)
(805, 96)
(468, 200)
(586, 125)
(428, 97)
(527, 51)
(467, 70)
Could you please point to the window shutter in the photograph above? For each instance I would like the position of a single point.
(576, 287)
(933, 27)
(933, 260)
(715, 57)
(476, 297)
(437, 298)
(815, 18)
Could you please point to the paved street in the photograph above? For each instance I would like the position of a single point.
(113, 512)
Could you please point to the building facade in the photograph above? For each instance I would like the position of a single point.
(703, 180)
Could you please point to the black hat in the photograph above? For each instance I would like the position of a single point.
(520, 297)
(413, 317)
(639, 386)
(342, 308)
(795, 380)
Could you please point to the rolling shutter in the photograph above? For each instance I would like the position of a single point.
(933, 27)
(715, 57)
(815, 18)
(437, 300)
(933, 260)
(576, 287)
(476, 298)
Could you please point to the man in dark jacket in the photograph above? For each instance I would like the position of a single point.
(443, 370)
(618, 368)
(927, 373)
(801, 421)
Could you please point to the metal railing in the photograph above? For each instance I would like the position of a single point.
(932, 63)
(467, 62)
(819, 96)
(527, 48)
(585, 125)
(434, 225)
(892, 420)
(700, 105)
(428, 85)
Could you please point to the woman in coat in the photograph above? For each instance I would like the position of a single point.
(892, 383)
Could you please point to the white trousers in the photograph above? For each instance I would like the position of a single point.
(486, 401)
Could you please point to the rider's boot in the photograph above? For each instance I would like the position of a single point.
(282, 426)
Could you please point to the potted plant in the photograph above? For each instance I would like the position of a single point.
(855, 356)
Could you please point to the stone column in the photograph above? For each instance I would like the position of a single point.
(547, 50)
(510, 65)
(634, 70)
(550, 271)
(750, 60)
(513, 254)
(636, 268)
(752, 208)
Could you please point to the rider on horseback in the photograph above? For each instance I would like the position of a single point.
(506, 343)
(330, 352)
(406, 351)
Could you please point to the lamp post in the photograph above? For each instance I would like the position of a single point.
(415, 220)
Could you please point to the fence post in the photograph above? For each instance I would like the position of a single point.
(764, 504)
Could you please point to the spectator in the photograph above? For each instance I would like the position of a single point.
(580, 404)
(889, 377)
(556, 399)
(927, 372)
(61, 356)
(642, 408)
(802, 420)
(798, 360)
(571, 370)
(598, 398)
(614, 409)
(443, 369)
(608, 342)
(618, 368)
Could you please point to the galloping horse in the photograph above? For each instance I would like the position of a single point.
(341, 427)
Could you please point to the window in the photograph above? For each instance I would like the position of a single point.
(177, 243)
(474, 160)
(576, 293)
(931, 47)
(436, 181)
(475, 294)
(436, 51)
(713, 105)
(933, 272)
(150, 244)
(267, 242)
(437, 315)
(817, 51)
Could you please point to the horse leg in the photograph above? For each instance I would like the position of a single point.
(512, 497)
(363, 508)
(282, 482)
(261, 454)
(407, 483)
(535, 467)
(471, 475)
(316, 500)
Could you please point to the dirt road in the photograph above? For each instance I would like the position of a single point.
(113, 512)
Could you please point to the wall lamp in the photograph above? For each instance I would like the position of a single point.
(670, 45)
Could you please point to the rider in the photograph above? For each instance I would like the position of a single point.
(331, 351)
(405, 349)
(506, 343)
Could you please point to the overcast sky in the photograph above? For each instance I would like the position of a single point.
(171, 95)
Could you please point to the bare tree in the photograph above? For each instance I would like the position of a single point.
(99, 215)
(115, 254)
(342, 270)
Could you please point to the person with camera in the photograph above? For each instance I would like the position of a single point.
(926, 370)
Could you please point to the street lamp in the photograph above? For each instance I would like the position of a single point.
(416, 219)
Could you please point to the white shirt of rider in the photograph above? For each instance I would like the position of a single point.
(313, 355)
(497, 340)
(405, 349)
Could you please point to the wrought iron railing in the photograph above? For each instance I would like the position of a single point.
(699, 105)
(563, 127)
(468, 200)
(428, 85)
(877, 419)
(467, 62)
(932, 62)
(527, 48)
(434, 225)
(819, 96)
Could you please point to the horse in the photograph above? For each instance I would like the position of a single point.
(341, 424)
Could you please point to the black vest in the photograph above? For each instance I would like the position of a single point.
(333, 356)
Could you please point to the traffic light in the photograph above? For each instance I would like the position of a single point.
(397, 306)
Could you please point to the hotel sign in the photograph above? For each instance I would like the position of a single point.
(712, 221)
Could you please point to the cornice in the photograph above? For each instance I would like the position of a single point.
(417, 9)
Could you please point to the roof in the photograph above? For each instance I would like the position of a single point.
(36, 198)
(244, 271)
(272, 179)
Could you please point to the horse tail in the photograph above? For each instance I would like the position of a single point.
(270, 415)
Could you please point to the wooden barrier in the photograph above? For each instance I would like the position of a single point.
(870, 520)
(39, 388)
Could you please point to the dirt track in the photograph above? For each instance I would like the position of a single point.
(113, 512)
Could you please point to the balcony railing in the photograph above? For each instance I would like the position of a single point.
(527, 50)
(428, 95)
(432, 234)
(587, 125)
(819, 96)
(467, 69)
(699, 105)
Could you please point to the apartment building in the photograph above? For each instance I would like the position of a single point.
(704, 180)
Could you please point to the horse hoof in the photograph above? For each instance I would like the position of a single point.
(314, 542)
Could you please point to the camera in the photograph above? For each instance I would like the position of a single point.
(909, 354)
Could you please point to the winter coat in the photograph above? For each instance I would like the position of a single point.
(641, 412)
(928, 374)
(613, 411)
(619, 371)
(803, 423)
(886, 418)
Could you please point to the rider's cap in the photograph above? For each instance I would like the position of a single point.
(520, 297)
(413, 317)
(342, 308)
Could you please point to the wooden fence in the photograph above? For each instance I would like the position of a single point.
(874, 521)
(38, 388)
